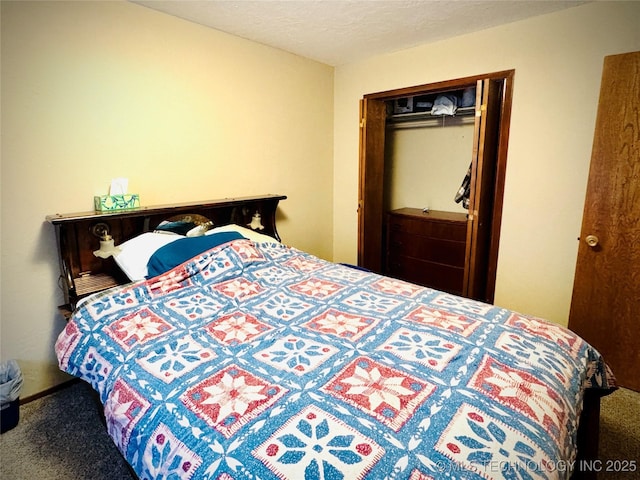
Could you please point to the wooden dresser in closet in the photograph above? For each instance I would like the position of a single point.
(427, 248)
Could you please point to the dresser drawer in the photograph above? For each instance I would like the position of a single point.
(443, 225)
(429, 274)
(450, 252)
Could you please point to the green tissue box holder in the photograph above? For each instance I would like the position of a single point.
(111, 203)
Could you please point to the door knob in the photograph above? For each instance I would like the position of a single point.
(591, 240)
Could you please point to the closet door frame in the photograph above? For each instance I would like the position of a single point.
(480, 276)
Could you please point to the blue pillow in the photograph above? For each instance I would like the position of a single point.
(179, 251)
(179, 227)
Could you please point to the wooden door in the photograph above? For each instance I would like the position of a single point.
(605, 307)
(370, 189)
(482, 194)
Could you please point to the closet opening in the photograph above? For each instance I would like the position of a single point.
(432, 165)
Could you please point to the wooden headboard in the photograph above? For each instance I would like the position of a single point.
(83, 273)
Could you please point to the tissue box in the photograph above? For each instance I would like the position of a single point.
(110, 203)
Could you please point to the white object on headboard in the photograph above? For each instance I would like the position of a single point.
(107, 247)
(256, 222)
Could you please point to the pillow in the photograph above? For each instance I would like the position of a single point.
(175, 253)
(179, 227)
(245, 232)
(191, 225)
(135, 253)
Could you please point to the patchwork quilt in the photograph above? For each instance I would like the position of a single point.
(259, 361)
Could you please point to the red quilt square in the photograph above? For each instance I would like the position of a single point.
(231, 398)
(390, 395)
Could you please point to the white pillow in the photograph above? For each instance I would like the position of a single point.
(245, 232)
(135, 253)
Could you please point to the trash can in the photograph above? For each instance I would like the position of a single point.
(10, 385)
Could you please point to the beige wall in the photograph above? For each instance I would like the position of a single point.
(426, 165)
(558, 63)
(97, 90)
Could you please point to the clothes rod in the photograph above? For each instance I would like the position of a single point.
(433, 122)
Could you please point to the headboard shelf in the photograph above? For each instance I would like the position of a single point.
(83, 273)
(172, 209)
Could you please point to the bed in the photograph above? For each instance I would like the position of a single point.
(253, 359)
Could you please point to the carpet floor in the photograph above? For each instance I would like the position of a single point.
(62, 437)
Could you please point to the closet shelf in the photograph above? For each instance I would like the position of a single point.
(423, 116)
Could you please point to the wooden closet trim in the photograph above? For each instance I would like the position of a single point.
(440, 86)
(501, 169)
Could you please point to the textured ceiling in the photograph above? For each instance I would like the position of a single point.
(337, 32)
